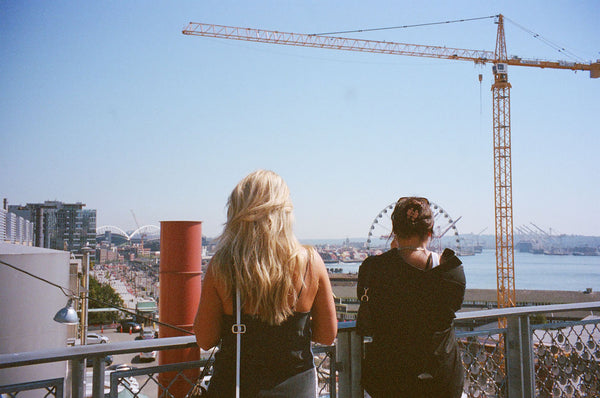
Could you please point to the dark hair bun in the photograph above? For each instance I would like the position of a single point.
(412, 216)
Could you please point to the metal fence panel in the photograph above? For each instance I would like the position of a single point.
(566, 359)
(484, 362)
(49, 388)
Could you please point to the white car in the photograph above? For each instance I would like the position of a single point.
(96, 338)
(119, 367)
(146, 334)
(92, 338)
(148, 356)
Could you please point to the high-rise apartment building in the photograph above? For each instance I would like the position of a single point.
(58, 225)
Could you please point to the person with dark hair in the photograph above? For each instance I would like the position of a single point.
(412, 295)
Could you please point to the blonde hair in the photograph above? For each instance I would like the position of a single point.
(258, 248)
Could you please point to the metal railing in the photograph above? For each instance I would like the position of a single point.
(521, 360)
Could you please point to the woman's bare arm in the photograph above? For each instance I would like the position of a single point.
(324, 320)
(207, 325)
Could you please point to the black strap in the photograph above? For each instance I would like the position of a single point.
(364, 320)
(429, 263)
(366, 285)
(303, 280)
(238, 329)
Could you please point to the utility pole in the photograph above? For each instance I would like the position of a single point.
(85, 282)
(78, 366)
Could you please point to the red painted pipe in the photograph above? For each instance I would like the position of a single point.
(180, 286)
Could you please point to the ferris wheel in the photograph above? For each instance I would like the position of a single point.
(380, 232)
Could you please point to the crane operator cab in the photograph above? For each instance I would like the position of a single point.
(500, 71)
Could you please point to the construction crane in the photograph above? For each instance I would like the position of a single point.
(501, 109)
(478, 247)
(138, 228)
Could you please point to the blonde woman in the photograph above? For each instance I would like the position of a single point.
(286, 297)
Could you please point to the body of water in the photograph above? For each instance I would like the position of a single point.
(532, 271)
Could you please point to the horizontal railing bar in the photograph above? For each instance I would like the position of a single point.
(79, 352)
(511, 311)
(486, 332)
(161, 368)
(567, 324)
(346, 325)
(83, 351)
(517, 311)
(322, 349)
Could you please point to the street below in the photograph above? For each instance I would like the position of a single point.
(133, 359)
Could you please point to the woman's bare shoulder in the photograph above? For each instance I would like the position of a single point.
(314, 261)
(308, 251)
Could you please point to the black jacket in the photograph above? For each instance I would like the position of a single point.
(414, 351)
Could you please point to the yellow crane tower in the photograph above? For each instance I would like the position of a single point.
(501, 109)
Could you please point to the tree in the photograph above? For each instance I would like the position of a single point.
(106, 296)
(538, 319)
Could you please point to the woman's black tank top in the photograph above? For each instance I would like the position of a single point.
(269, 354)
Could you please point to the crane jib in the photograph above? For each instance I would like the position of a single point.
(376, 46)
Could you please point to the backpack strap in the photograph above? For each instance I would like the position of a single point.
(303, 279)
(364, 289)
(238, 328)
(364, 283)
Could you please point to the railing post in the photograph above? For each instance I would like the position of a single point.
(78, 378)
(60, 393)
(519, 358)
(356, 344)
(528, 364)
(342, 355)
(333, 374)
(348, 355)
(98, 377)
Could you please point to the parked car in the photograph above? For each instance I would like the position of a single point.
(92, 338)
(97, 338)
(108, 360)
(120, 367)
(148, 356)
(128, 325)
(146, 334)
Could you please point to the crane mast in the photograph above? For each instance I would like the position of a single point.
(501, 110)
(503, 220)
(505, 268)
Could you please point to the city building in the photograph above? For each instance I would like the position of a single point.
(58, 225)
(15, 229)
(29, 305)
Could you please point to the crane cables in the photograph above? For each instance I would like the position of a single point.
(546, 41)
(401, 26)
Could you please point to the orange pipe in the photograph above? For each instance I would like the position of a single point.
(180, 285)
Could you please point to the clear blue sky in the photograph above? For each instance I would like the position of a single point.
(108, 103)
